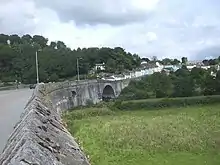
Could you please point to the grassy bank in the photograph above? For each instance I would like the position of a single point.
(173, 136)
(150, 104)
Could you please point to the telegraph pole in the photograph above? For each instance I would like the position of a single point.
(37, 72)
(77, 65)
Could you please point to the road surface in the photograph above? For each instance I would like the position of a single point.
(12, 104)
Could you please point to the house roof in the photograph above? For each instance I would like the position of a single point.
(99, 64)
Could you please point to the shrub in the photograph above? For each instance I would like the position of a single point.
(129, 94)
(89, 102)
(88, 112)
(150, 104)
(117, 105)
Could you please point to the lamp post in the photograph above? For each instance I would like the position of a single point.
(37, 69)
(77, 65)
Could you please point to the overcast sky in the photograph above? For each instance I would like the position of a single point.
(165, 28)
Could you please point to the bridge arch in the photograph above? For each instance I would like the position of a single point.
(73, 94)
(108, 93)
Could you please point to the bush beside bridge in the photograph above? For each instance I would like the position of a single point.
(150, 104)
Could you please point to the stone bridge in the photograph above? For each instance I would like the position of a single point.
(40, 137)
(73, 94)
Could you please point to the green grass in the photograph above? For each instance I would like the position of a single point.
(174, 98)
(178, 136)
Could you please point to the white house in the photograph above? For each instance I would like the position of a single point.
(138, 73)
(111, 78)
(205, 67)
(127, 75)
(189, 67)
(172, 67)
(100, 66)
(143, 63)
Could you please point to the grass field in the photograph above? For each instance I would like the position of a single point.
(178, 136)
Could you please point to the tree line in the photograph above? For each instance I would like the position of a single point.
(182, 83)
(56, 60)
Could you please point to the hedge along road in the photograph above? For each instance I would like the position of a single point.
(12, 103)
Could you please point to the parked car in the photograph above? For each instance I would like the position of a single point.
(32, 86)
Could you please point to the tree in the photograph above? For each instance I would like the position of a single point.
(40, 40)
(205, 62)
(134, 91)
(154, 58)
(145, 59)
(14, 39)
(213, 62)
(175, 62)
(184, 60)
(136, 60)
(182, 72)
(53, 45)
(26, 39)
(3, 38)
(198, 75)
(166, 61)
(183, 84)
(56, 61)
(209, 85)
(6, 60)
(161, 85)
(60, 45)
(54, 77)
(183, 87)
(217, 83)
(111, 66)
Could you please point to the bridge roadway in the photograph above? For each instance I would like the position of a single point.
(12, 104)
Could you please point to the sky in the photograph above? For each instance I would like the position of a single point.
(162, 28)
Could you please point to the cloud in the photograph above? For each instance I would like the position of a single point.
(16, 16)
(151, 36)
(165, 28)
(212, 52)
(113, 12)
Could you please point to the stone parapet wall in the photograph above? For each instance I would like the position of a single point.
(40, 137)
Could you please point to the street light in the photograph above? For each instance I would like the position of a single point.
(77, 65)
(37, 69)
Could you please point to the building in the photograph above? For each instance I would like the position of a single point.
(100, 66)
(197, 63)
(172, 68)
(127, 75)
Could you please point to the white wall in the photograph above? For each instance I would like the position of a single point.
(143, 72)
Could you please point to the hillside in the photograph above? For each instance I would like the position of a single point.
(56, 60)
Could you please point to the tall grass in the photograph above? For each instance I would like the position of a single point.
(150, 104)
(165, 137)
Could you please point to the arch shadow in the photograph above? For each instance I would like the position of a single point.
(74, 98)
(108, 93)
(73, 94)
